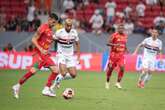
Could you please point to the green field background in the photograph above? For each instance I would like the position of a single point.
(90, 93)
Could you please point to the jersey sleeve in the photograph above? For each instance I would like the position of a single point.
(144, 41)
(54, 36)
(57, 34)
(41, 29)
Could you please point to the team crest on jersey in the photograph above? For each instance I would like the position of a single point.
(118, 39)
(47, 30)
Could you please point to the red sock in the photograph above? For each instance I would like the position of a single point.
(120, 75)
(109, 72)
(25, 77)
(51, 78)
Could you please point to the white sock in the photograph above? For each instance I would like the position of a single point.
(145, 78)
(68, 76)
(58, 79)
(46, 88)
(142, 75)
(17, 85)
(148, 78)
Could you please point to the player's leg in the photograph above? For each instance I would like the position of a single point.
(72, 73)
(121, 64)
(60, 77)
(110, 68)
(149, 71)
(48, 62)
(143, 74)
(109, 71)
(67, 65)
(47, 89)
(71, 67)
(52, 76)
(141, 77)
(148, 77)
(120, 76)
(31, 72)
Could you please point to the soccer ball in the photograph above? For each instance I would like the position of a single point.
(68, 93)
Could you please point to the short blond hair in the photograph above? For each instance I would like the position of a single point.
(68, 21)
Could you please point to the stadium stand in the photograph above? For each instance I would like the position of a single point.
(13, 17)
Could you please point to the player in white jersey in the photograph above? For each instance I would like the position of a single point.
(152, 47)
(67, 41)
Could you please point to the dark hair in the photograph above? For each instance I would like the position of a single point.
(154, 28)
(53, 15)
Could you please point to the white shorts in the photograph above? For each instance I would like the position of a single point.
(148, 64)
(69, 61)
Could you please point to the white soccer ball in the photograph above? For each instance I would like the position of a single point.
(68, 93)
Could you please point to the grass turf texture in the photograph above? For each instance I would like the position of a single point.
(90, 93)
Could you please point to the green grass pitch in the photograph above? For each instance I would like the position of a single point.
(90, 93)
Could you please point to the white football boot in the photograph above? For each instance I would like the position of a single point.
(16, 89)
(47, 92)
(107, 84)
(118, 85)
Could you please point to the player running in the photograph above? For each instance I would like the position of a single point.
(117, 42)
(152, 46)
(42, 40)
(67, 38)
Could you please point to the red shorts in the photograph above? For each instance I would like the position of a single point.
(43, 60)
(116, 59)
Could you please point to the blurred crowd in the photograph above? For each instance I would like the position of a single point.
(10, 48)
(102, 19)
(105, 18)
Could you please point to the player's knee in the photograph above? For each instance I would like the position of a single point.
(146, 71)
(149, 72)
(110, 66)
(63, 73)
(122, 69)
(33, 70)
(54, 69)
(73, 74)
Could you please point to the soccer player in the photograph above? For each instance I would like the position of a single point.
(152, 46)
(67, 38)
(117, 42)
(42, 40)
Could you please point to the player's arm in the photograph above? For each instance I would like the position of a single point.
(137, 48)
(112, 44)
(161, 56)
(160, 52)
(110, 41)
(77, 49)
(142, 44)
(35, 37)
